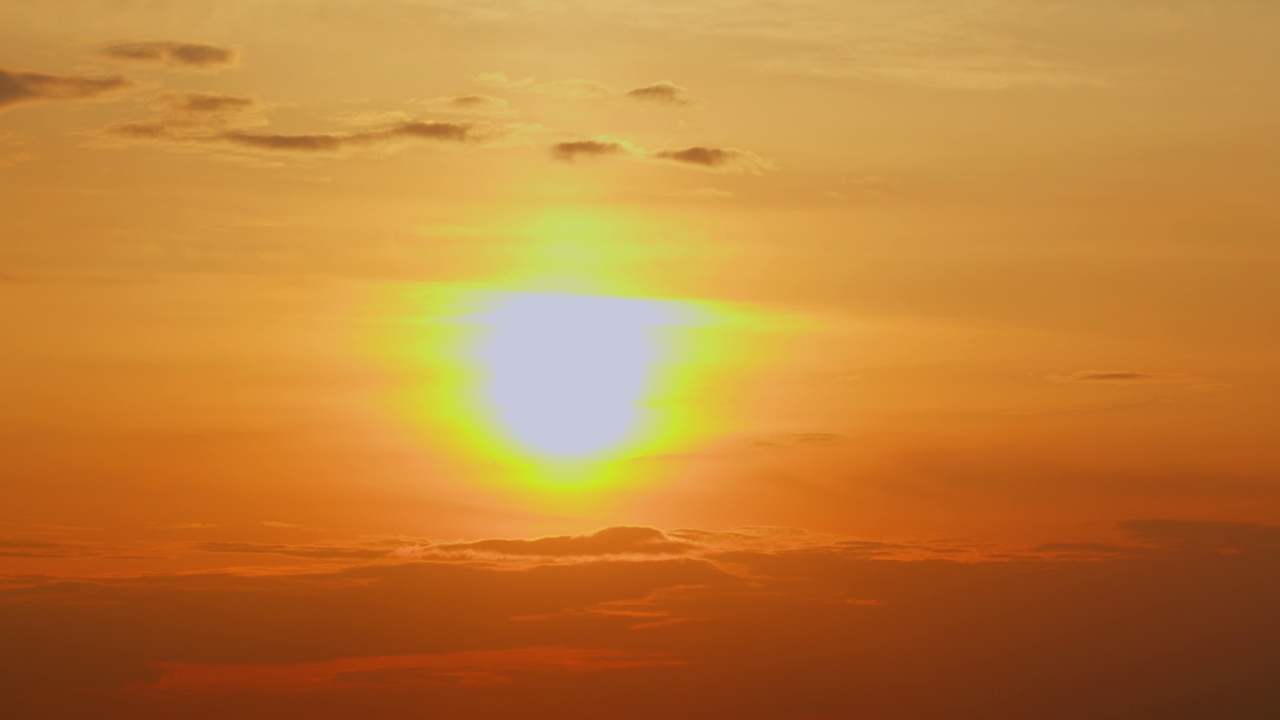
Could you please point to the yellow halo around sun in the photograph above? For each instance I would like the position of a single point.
(556, 373)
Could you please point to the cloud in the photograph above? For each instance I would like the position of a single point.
(151, 130)
(660, 93)
(609, 541)
(762, 622)
(1129, 377)
(473, 668)
(192, 117)
(206, 103)
(466, 105)
(725, 160)
(334, 552)
(797, 439)
(664, 92)
(335, 142)
(976, 71)
(716, 159)
(182, 526)
(600, 147)
(212, 119)
(19, 87)
(20, 548)
(171, 52)
(1203, 535)
(316, 142)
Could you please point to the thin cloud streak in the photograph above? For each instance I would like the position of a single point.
(713, 159)
(659, 93)
(173, 53)
(20, 87)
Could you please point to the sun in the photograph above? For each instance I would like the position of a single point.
(564, 377)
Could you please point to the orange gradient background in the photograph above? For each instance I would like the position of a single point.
(719, 359)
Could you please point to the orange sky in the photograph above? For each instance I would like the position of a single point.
(728, 358)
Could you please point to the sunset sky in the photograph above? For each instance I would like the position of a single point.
(826, 359)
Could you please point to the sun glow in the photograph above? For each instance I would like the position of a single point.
(554, 374)
(552, 390)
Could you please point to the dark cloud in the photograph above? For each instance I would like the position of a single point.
(1206, 534)
(468, 104)
(570, 151)
(473, 100)
(720, 159)
(664, 92)
(730, 160)
(1085, 550)
(325, 552)
(182, 526)
(804, 439)
(765, 623)
(473, 668)
(150, 130)
(661, 93)
(333, 142)
(319, 142)
(171, 52)
(20, 548)
(192, 117)
(1125, 377)
(19, 87)
(211, 119)
(206, 103)
(610, 541)
(451, 132)
(39, 548)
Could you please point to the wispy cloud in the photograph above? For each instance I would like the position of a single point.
(215, 120)
(1131, 377)
(664, 92)
(599, 147)
(324, 552)
(610, 541)
(1206, 535)
(449, 132)
(173, 53)
(19, 87)
(182, 526)
(714, 159)
(206, 103)
(472, 104)
(660, 93)
(473, 668)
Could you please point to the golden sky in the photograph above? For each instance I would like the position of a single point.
(708, 359)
